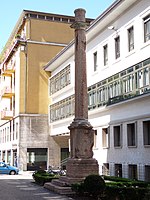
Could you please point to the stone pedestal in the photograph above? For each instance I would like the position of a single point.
(81, 162)
(78, 169)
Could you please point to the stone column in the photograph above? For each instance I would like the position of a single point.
(81, 163)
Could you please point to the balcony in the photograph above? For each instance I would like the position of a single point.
(6, 114)
(8, 70)
(127, 84)
(7, 92)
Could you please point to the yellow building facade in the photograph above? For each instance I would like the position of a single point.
(24, 133)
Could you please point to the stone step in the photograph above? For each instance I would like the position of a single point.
(58, 189)
(59, 182)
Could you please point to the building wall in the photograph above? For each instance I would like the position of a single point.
(49, 31)
(40, 40)
(36, 55)
(122, 113)
(131, 17)
(34, 134)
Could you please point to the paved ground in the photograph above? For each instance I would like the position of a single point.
(23, 187)
(21, 175)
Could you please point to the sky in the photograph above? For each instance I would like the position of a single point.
(11, 10)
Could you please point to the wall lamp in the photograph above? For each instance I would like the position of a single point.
(112, 28)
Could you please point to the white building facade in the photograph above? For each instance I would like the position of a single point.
(118, 77)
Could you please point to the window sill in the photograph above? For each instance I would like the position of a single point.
(95, 72)
(118, 147)
(105, 147)
(132, 146)
(130, 53)
(147, 146)
(95, 148)
(117, 60)
(104, 67)
(145, 44)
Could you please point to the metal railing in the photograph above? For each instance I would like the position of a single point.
(129, 83)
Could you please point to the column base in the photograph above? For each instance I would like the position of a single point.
(78, 169)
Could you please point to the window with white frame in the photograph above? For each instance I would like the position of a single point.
(1, 136)
(62, 109)
(60, 80)
(118, 170)
(10, 131)
(131, 38)
(117, 136)
(92, 96)
(102, 94)
(105, 138)
(146, 132)
(142, 76)
(131, 134)
(3, 140)
(128, 82)
(105, 49)
(8, 134)
(13, 130)
(105, 169)
(147, 28)
(117, 47)
(5, 135)
(17, 130)
(95, 60)
(95, 138)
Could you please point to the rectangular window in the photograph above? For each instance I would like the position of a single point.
(105, 49)
(5, 135)
(131, 134)
(133, 171)
(62, 109)
(147, 173)
(105, 169)
(102, 94)
(13, 130)
(117, 136)
(95, 138)
(0, 136)
(146, 132)
(36, 158)
(95, 60)
(105, 137)
(60, 80)
(17, 131)
(8, 134)
(117, 47)
(92, 97)
(10, 131)
(147, 28)
(118, 170)
(131, 39)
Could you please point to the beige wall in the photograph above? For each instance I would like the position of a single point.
(32, 73)
(49, 31)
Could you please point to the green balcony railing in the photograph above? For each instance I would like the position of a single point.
(129, 83)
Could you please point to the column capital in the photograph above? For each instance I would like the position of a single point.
(80, 124)
(80, 25)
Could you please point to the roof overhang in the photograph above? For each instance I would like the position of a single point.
(96, 26)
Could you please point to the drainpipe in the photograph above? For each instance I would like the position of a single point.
(23, 48)
(25, 86)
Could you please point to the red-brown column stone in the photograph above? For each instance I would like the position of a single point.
(81, 101)
(81, 163)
